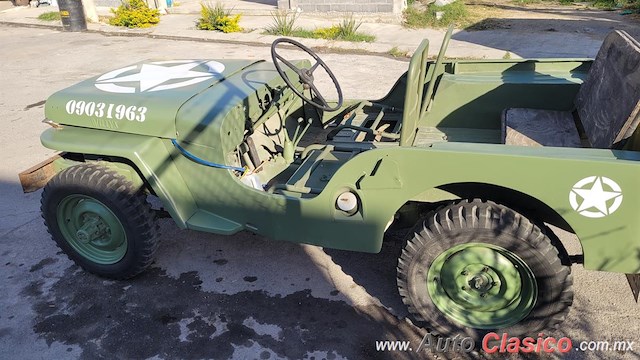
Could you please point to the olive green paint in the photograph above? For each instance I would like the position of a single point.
(161, 106)
(467, 101)
(149, 155)
(179, 181)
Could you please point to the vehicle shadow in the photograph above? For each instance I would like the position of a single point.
(205, 297)
(376, 272)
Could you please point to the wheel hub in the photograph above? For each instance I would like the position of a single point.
(92, 229)
(482, 285)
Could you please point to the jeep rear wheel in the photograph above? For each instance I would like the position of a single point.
(100, 221)
(474, 267)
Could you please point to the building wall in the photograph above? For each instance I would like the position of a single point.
(352, 6)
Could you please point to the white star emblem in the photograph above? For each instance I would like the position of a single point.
(156, 76)
(596, 201)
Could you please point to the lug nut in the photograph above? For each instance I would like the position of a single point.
(485, 269)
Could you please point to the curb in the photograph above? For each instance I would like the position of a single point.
(322, 48)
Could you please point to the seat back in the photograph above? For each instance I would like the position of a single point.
(608, 102)
(416, 78)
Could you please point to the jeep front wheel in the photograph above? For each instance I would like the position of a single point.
(475, 267)
(100, 221)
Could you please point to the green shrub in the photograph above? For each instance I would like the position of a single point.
(454, 13)
(50, 16)
(633, 5)
(134, 14)
(330, 33)
(218, 18)
(348, 30)
(335, 32)
(284, 23)
(349, 27)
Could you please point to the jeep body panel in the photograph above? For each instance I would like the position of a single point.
(478, 160)
(106, 102)
(449, 139)
(383, 180)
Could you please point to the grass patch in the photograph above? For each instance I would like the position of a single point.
(397, 53)
(617, 4)
(284, 24)
(348, 28)
(217, 17)
(332, 33)
(49, 16)
(600, 4)
(454, 13)
(605, 4)
(528, 2)
(525, 2)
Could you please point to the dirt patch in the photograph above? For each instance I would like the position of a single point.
(545, 17)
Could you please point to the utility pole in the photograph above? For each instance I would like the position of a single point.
(90, 11)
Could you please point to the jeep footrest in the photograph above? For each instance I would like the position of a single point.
(318, 168)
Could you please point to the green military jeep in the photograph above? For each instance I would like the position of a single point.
(476, 157)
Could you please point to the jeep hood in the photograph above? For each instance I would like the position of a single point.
(143, 98)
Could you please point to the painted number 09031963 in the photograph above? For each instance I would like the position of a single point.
(108, 111)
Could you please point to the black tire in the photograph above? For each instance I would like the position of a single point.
(482, 223)
(133, 216)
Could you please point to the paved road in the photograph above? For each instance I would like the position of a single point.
(208, 296)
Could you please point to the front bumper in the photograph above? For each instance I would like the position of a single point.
(39, 175)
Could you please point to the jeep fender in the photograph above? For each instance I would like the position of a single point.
(385, 179)
(149, 155)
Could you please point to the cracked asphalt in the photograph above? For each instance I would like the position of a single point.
(209, 296)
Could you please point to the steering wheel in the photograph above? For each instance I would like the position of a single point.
(305, 76)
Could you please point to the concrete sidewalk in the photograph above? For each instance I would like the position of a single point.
(180, 24)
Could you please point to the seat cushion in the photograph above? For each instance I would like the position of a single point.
(535, 127)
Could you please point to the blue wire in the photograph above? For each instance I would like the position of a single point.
(202, 161)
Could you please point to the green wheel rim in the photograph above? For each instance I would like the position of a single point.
(482, 286)
(91, 229)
